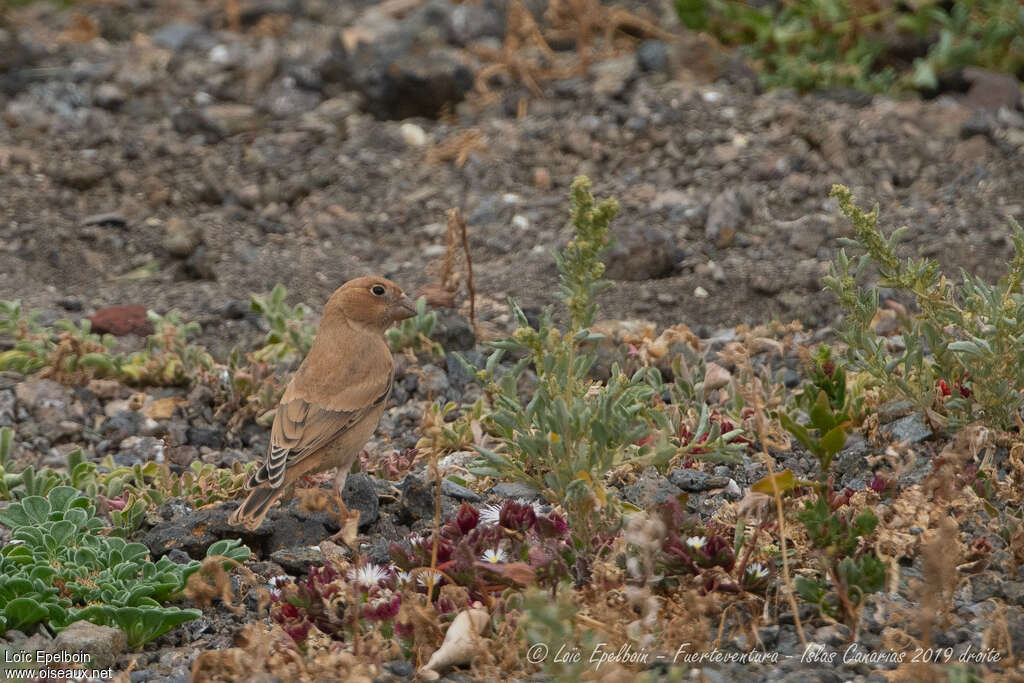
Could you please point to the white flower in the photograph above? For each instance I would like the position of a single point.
(275, 583)
(537, 507)
(696, 542)
(493, 556)
(489, 514)
(403, 577)
(422, 578)
(369, 575)
(757, 571)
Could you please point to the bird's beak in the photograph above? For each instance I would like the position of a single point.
(405, 308)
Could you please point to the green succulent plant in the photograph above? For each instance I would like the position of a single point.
(60, 568)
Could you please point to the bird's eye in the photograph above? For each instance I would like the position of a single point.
(378, 290)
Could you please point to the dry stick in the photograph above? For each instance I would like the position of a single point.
(759, 421)
(437, 525)
(469, 270)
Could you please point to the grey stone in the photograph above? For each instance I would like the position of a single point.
(453, 332)
(689, 479)
(211, 437)
(807, 233)
(176, 35)
(652, 55)
(82, 175)
(200, 265)
(7, 408)
(433, 381)
(292, 526)
(469, 22)
(893, 410)
(416, 502)
(612, 76)
(360, 494)
(297, 561)
(194, 531)
(514, 489)
(984, 586)
(108, 219)
(641, 253)
(181, 238)
(991, 90)
(650, 489)
(216, 121)
(402, 73)
(141, 449)
(109, 96)
(121, 424)
(458, 374)
(103, 643)
(728, 214)
(453, 490)
(1013, 592)
(909, 429)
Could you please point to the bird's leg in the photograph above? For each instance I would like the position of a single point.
(348, 520)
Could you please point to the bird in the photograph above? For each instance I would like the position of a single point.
(332, 404)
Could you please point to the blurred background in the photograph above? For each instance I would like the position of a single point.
(184, 154)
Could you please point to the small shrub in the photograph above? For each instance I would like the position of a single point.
(572, 430)
(290, 335)
(854, 573)
(968, 336)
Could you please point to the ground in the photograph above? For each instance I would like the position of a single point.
(310, 204)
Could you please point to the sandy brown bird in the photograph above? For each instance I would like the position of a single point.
(333, 403)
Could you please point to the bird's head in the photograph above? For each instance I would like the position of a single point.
(373, 302)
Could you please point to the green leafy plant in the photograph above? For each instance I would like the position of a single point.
(168, 358)
(73, 354)
(566, 436)
(127, 492)
(414, 333)
(854, 573)
(968, 336)
(811, 44)
(66, 352)
(826, 432)
(834, 532)
(62, 569)
(291, 334)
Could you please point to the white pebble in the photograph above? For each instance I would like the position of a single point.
(700, 293)
(219, 54)
(413, 135)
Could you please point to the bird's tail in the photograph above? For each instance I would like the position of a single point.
(254, 508)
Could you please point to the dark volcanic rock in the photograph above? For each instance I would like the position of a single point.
(398, 80)
(641, 254)
(196, 530)
(211, 437)
(360, 494)
(453, 332)
(650, 489)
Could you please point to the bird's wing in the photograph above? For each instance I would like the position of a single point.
(301, 428)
